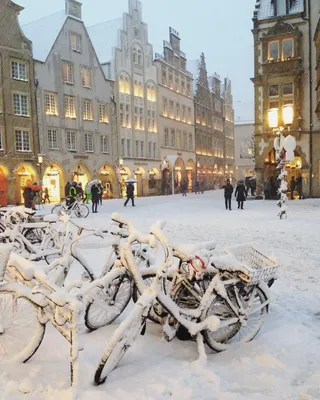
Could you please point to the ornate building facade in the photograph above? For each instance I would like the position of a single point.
(127, 58)
(19, 139)
(284, 67)
(75, 111)
(176, 113)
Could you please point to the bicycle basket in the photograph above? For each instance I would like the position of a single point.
(5, 250)
(256, 266)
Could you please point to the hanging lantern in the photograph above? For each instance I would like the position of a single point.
(273, 117)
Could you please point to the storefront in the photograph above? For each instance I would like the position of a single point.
(3, 186)
(179, 173)
(81, 174)
(54, 181)
(154, 183)
(140, 176)
(125, 174)
(190, 171)
(25, 176)
(108, 181)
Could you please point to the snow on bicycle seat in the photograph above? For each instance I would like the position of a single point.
(228, 262)
(188, 250)
(50, 218)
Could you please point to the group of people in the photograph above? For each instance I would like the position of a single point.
(240, 194)
(296, 184)
(74, 191)
(271, 186)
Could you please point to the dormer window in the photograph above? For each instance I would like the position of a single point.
(137, 56)
(280, 50)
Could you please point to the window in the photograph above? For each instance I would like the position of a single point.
(124, 86)
(154, 149)
(288, 89)
(21, 106)
(171, 109)
(164, 76)
(87, 110)
(189, 115)
(165, 107)
(173, 138)
(88, 142)
(273, 51)
(129, 147)
(150, 149)
(188, 88)
(185, 140)
(75, 40)
(151, 93)
(104, 144)
(23, 141)
(178, 112)
(85, 77)
(217, 105)
(142, 148)
(183, 86)
(71, 141)
(204, 119)
(68, 73)
(183, 119)
(273, 90)
(170, 80)
(190, 141)
(52, 139)
(1, 139)
(176, 83)
(19, 70)
(70, 107)
(198, 118)
(166, 137)
(51, 104)
(179, 139)
(137, 148)
(103, 113)
(137, 56)
(287, 49)
(122, 147)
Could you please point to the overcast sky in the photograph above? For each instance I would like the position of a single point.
(219, 28)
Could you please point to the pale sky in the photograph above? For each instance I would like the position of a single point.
(219, 28)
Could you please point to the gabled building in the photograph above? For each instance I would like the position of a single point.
(19, 139)
(228, 124)
(75, 110)
(127, 58)
(285, 73)
(176, 113)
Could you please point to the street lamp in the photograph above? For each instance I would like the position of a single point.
(284, 148)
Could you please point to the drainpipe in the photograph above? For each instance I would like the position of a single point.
(308, 19)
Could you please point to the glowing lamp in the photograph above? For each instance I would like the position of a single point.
(287, 114)
(273, 117)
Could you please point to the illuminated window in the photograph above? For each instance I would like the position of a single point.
(68, 75)
(287, 49)
(103, 113)
(70, 107)
(87, 113)
(85, 74)
(51, 104)
(273, 51)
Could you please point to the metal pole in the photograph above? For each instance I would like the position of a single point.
(172, 181)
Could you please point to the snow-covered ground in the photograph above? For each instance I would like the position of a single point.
(283, 362)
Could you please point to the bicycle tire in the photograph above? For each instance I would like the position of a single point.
(56, 209)
(223, 340)
(84, 211)
(98, 313)
(119, 344)
(23, 309)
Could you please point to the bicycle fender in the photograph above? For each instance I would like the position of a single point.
(263, 287)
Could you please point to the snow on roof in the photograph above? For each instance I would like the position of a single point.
(265, 8)
(43, 33)
(105, 37)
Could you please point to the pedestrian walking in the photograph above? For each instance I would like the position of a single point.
(130, 194)
(241, 194)
(100, 193)
(267, 189)
(196, 187)
(28, 197)
(72, 196)
(299, 186)
(184, 188)
(228, 190)
(201, 186)
(95, 198)
(67, 189)
(46, 197)
(292, 187)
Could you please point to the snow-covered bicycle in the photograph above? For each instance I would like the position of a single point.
(232, 296)
(77, 209)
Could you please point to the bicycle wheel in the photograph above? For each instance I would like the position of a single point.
(34, 235)
(252, 299)
(108, 303)
(82, 211)
(119, 344)
(21, 333)
(57, 209)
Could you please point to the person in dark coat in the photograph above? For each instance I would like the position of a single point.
(228, 190)
(95, 198)
(184, 188)
(196, 187)
(130, 194)
(292, 187)
(241, 194)
(28, 197)
(67, 189)
(299, 186)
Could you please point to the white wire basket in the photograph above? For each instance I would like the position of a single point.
(256, 267)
